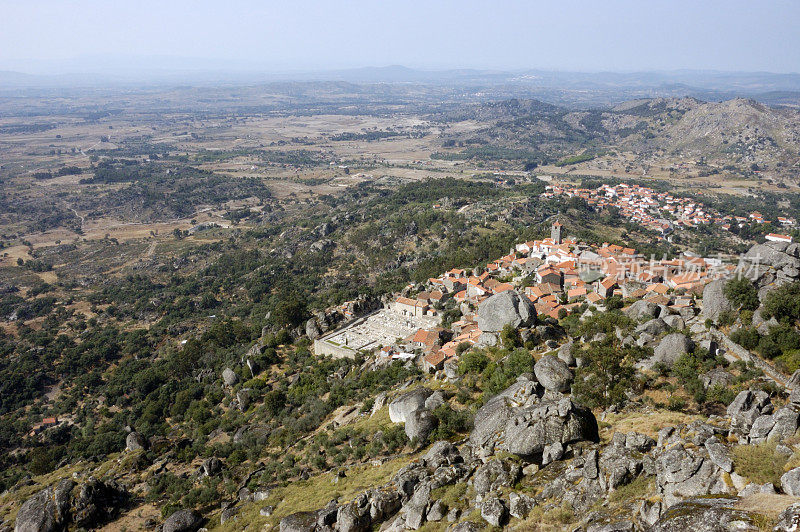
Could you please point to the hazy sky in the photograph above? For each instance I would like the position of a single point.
(588, 35)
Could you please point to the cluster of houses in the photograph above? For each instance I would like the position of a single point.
(558, 275)
(658, 211)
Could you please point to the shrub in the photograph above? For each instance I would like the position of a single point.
(473, 362)
(720, 394)
(676, 404)
(746, 337)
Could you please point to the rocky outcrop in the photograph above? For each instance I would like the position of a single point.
(518, 421)
(704, 515)
(505, 308)
(771, 263)
(746, 408)
(47, 511)
(87, 505)
(681, 474)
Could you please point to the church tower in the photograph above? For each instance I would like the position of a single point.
(555, 232)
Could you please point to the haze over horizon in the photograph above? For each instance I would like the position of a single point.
(51, 37)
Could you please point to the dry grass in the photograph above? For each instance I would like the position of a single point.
(648, 423)
(767, 504)
(312, 494)
(759, 463)
(555, 518)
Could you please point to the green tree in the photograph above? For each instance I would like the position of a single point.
(607, 375)
(509, 337)
(783, 303)
(473, 362)
(741, 292)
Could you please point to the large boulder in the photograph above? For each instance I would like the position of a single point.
(353, 518)
(713, 514)
(134, 441)
(643, 309)
(714, 300)
(407, 403)
(491, 419)
(229, 377)
(182, 521)
(506, 308)
(789, 519)
(532, 429)
(95, 503)
(298, 522)
(553, 373)
(669, 350)
(47, 510)
(520, 504)
(495, 474)
(566, 353)
(442, 453)
(790, 482)
(494, 512)
(653, 327)
(419, 424)
(87, 506)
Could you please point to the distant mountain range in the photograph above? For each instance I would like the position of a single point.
(653, 84)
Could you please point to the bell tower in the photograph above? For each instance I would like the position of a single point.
(555, 232)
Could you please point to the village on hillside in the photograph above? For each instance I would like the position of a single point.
(558, 275)
(660, 211)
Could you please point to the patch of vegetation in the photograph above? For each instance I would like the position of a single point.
(759, 463)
